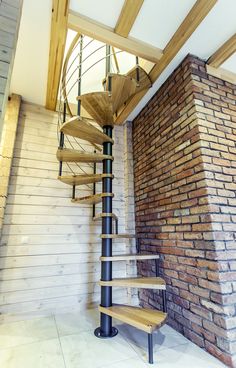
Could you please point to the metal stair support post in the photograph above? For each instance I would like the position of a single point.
(150, 348)
(106, 330)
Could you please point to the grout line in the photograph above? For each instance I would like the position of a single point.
(59, 340)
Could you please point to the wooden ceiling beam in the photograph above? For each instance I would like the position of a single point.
(223, 53)
(196, 15)
(127, 17)
(107, 35)
(60, 9)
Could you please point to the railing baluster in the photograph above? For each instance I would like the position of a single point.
(80, 73)
(137, 70)
(94, 186)
(61, 144)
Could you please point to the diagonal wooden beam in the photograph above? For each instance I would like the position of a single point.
(107, 35)
(196, 15)
(223, 53)
(127, 16)
(60, 10)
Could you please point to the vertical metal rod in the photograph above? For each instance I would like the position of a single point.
(137, 69)
(80, 73)
(73, 192)
(116, 222)
(61, 144)
(138, 245)
(94, 186)
(157, 267)
(108, 68)
(150, 348)
(108, 59)
(164, 305)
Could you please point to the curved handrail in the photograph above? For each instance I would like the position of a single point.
(69, 71)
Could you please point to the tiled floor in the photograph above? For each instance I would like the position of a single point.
(67, 341)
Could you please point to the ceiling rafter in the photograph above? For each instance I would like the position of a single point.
(60, 9)
(128, 16)
(195, 16)
(223, 53)
(107, 35)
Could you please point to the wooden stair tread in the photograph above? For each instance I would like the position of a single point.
(144, 79)
(93, 199)
(81, 128)
(101, 215)
(156, 283)
(147, 320)
(122, 88)
(130, 257)
(83, 179)
(117, 236)
(99, 106)
(71, 155)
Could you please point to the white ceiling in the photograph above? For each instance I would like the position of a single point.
(155, 24)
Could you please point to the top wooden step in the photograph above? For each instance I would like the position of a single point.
(101, 106)
(81, 128)
(147, 320)
(144, 79)
(122, 87)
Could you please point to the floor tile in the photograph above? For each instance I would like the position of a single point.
(73, 323)
(187, 355)
(84, 350)
(162, 339)
(43, 354)
(25, 332)
(129, 363)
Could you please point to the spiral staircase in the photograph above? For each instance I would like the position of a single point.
(102, 106)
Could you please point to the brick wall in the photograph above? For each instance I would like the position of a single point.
(185, 180)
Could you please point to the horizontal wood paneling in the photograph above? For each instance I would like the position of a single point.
(10, 14)
(50, 247)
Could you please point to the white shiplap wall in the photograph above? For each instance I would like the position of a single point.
(10, 15)
(49, 254)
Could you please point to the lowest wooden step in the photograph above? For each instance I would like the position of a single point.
(156, 283)
(83, 179)
(147, 320)
(80, 128)
(92, 199)
(71, 155)
(129, 257)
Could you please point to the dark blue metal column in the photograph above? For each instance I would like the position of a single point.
(106, 330)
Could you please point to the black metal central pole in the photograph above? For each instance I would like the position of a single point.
(106, 330)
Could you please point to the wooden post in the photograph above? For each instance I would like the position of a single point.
(7, 148)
